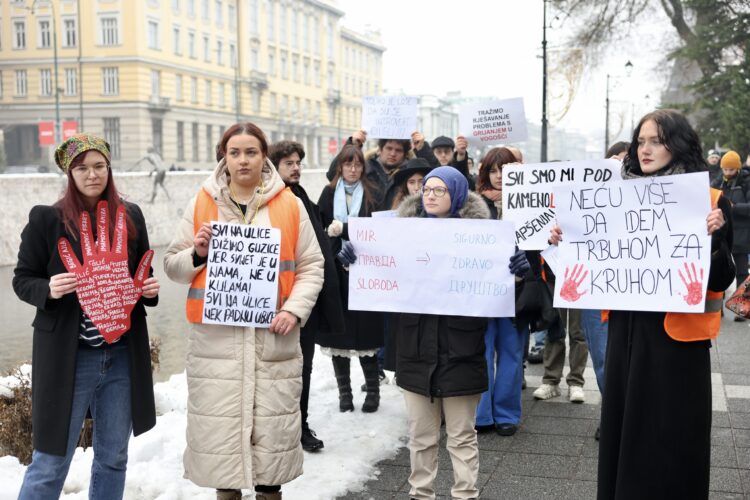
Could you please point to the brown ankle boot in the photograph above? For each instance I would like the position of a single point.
(267, 496)
(228, 494)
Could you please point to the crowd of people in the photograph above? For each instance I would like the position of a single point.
(249, 388)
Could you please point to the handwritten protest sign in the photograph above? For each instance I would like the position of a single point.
(242, 275)
(389, 117)
(638, 245)
(528, 199)
(105, 290)
(493, 122)
(433, 266)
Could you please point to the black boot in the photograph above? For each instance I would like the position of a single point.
(310, 441)
(372, 381)
(341, 369)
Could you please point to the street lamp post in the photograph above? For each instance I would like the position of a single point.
(628, 69)
(544, 84)
(58, 128)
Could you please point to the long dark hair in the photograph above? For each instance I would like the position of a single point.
(677, 135)
(495, 156)
(71, 204)
(349, 153)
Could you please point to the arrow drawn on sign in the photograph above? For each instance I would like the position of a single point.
(425, 259)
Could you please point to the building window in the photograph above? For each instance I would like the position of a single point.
(110, 81)
(21, 83)
(180, 141)
(284, 104)
(295, 107)
(178, 87)
(282, 24)
(45, 82)
(155, 84)
(193, 90)
(69, 28)
(71, 81)
(272, 102)
(176, 5)
(254, 16)
(45, 38)
(316, 35)
(1, 84)
(330, 35)
(330, 79)
(307, 109)
(284, 69)
(204, 9)
(222, 91)
(317, 74)
(256, 100)
(271, 21)
(206, 49)
(235, 98)
(307, 72)
(317, 111)
(295, 37)
(306, 33)
(295, 68)
(19, 34)
(219, 52)
(191, 8)
(109, 31)
(209, 93)
(232, 16)
(219, 12)
(176, 41)
(153, 35)
(112, 136)
(195, 141)
(232, 55)
(271, 64)
(210, 151)
(156, 135)
(191, 45)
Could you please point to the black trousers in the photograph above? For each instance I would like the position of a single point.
(307, 342)
(740, 262)
(656, 412)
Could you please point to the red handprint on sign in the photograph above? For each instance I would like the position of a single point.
(105, 289)
(694, 287)
(569, 290)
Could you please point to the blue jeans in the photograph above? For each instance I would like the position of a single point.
(539, 338)
(595, 333)
(102, 384)
(501, 403)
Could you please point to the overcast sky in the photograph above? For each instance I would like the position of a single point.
(491, 48)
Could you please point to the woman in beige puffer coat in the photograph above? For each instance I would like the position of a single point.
(244, 384)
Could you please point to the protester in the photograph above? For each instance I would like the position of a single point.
(328, 313)
(735, 184)
(75, 371)
(244, 383)
(408, 180)
(445, 152)
(554, 360)
(351, 194)
(500, 405)
(656, 414)
(714, 169)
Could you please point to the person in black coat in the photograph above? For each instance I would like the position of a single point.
(656, 409)
(74, 370)
(351, 194)
(328, 313)
(735, 184)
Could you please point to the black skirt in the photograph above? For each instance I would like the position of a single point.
(656, 412)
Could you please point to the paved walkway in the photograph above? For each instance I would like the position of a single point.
(554, 454)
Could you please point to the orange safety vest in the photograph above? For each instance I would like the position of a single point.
(691, 327)
(284, 214)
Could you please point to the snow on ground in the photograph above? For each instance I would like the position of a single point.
(354, 443)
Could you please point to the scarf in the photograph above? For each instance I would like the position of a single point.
(496, 197)
(356, 191)
(673, 169)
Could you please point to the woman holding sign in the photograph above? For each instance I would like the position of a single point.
(244, 382)
(351, 194)
(78, 369)
(656, 411)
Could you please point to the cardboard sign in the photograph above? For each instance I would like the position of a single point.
(527, 194)
(389, 117)
(493, 122)
(637, 245)
(242, 275)
(105, 290)
(433, 266)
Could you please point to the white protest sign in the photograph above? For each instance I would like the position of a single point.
(636, 245)
(432, 266)
(528, 199)
(493, 122)
(389, 117)
(242, 276)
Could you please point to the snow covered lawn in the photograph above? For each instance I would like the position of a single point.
(354, 443)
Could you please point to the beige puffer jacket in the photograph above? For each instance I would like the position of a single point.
(244, 384)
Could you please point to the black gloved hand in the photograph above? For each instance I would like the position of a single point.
(347, 256)
(519, 265)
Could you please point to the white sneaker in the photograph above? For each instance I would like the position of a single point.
(546, 391)
(576, 394)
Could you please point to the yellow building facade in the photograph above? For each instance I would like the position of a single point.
(173, 74)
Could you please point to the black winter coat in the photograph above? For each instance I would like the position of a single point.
(56, 326)
(363, 329)
(737, 190)
(460, 165)
(437, 355)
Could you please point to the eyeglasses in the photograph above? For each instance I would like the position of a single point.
(438, 191)
(84, 171)
(352, 166)
(291, 164)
